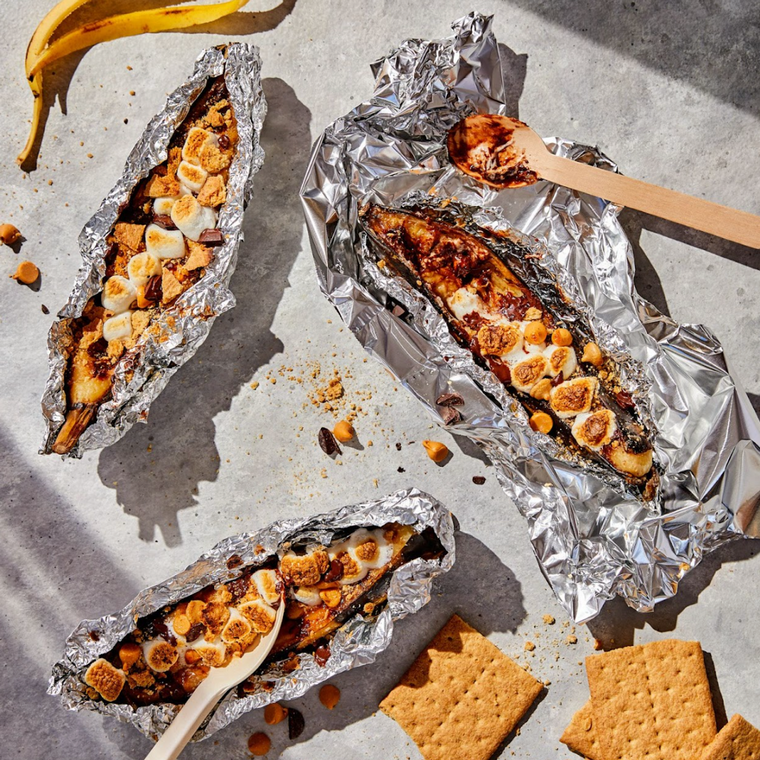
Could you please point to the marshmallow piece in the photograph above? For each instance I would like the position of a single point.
(118, 327)
(266, 585)
(307, 595)
(595, 429)
(163, 206)
(160, 655)
(142, 267)
(573, 397)
(527, 373)
(561, 359)
(213, 653)
(369, 549)
(164, 244)
(237, 627)
(192, 218)
(118, 294)
(191, 176)
(463, 302)
(194, 142)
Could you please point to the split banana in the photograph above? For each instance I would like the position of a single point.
(41, 52)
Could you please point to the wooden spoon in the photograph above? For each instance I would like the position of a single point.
(218, 682)
(503, 153)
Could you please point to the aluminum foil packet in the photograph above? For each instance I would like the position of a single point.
(357, 642)
(593, 539)
(184, 325)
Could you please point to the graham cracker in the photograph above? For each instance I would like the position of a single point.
(651, 701)
(580, 734)
(462, 696)
(737, 740)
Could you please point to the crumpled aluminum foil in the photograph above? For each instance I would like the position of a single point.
(592, 538)
(185, 325)
(357, 642)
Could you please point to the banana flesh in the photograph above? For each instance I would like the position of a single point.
(41, 52)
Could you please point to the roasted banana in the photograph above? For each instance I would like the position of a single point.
(512, 325)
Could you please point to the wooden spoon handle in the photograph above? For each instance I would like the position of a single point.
(730, 224)
(185, 724)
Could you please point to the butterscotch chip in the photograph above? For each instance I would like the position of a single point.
(259, 744)
(737, 740)
(162, 187)
(580, 735)
(329, 696)
(275, 713)
(200, 255)
(462, 696)
(651, 701)
(213, 193)
(130, 235)
(105, 679)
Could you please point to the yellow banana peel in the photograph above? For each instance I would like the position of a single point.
(41, 53)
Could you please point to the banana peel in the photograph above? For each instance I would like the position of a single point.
(41, 52)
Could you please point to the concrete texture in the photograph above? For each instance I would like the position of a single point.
(670, 91)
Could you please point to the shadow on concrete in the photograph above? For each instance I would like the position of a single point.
(616, 624)
(57, 78)
(514, 67)
(754, 399)
(156, 468)
(55, 573)
(711, 46)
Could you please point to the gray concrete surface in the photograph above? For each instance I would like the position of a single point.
(669, 90)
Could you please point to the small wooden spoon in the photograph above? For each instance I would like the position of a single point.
(505, 153)
(218, 682)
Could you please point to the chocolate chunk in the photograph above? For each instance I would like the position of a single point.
(296, 723)
(153, 290)
(98, 347)
(625, 400)
(398, 446)
(557, 379)
(211, 237)
(322, 655)
(335, 573)
(164, 221)
(234, 561)
(224, 142)
(449, 399)
(449, 415)
(327, 442)
(45, 309)
(94, 635)
(478, 480)
(401, 469)
(195, 632)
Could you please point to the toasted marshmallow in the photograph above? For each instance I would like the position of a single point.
(163, 206)
(503, 339)
(266, 582)
(107, 680)
(141, 267)
(164, 244)
(594, 429)
(212, 652)
(573, 397)
(561, 359)
(630, 462)
(118, 294)
(353, 571)
(259, 614)
(191, 176)
(118, 327)
(194, 142)
(237, 627)
(526, 373)
(192, 218)
(159, 654)
(369, 549)
(463, 302)
(307, 595)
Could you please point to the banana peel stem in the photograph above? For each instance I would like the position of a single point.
(36, 86)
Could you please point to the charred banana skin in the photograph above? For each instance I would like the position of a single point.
(442, 258)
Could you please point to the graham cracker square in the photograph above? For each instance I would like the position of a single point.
(737, 740)
(651, 701)
(580, 734)
(462, 696)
